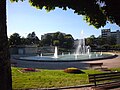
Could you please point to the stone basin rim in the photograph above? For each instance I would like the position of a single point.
(90, 59)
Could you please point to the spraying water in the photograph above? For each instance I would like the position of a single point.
(56, 52)
(101, 53)
(82, 48)
(62, 54)
(41, 55)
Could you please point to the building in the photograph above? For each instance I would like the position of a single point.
(24, 50)
(105, 33)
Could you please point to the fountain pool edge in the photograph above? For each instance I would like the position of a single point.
(92, 59)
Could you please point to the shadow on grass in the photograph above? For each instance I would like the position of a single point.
(73, 71)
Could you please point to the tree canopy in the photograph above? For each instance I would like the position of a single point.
(58, 39)
(95, 12)
(15, 39)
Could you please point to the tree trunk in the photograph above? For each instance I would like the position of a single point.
(5, 68)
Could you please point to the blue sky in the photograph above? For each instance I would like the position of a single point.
(24, 19)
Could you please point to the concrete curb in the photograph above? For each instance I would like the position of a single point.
(69, 87)
(59, 88)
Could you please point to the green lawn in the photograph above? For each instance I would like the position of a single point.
(115, 69)
(48, 78)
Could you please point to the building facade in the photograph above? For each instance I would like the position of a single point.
(24, 50)
(106, 33)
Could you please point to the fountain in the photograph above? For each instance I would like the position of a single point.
(62, 54)
(41, 55)
(82, 48)
(100, 53)
(82, 53)
(56, 52)
(69, 53)
(88, 50)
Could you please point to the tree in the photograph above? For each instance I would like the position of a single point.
(61, 39)
(56, 42)
(47, 41)
(68, 41)
(55, 36)
(15, 39)
(23, 41)
(92, 36)
(5, 67)
(90, 40)
(32, 38)
(96, 12)
(101, 41)
(111, 40)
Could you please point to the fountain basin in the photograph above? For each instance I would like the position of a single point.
(69, 57)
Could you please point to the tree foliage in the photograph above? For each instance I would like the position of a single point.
(95, 12)
(102, 43)
(15, 39)
(68, 41)
(47, 41)
(32, 38)
(58, 39)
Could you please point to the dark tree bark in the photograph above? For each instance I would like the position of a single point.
(5, 68)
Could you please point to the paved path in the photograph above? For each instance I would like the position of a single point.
(109, 63)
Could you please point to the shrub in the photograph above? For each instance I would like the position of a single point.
(24, 70)
(29, 69)
(73, 70)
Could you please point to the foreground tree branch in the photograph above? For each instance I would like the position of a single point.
(95, 12)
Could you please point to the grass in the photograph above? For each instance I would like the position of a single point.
(115, 69)
(49, 78)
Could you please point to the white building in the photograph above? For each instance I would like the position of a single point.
(107, 33)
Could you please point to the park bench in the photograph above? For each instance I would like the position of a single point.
(91, 65)
(105, 81)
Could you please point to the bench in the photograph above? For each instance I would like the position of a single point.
(105, 81)
(95, 64)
